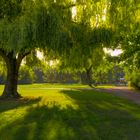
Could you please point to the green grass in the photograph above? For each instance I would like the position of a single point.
(65, 114)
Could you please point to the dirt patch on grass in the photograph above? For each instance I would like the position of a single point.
(131, 94)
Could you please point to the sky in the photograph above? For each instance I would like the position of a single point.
(115, 52)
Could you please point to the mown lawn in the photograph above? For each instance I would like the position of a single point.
(65, 114)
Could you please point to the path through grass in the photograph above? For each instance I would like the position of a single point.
(59, 114)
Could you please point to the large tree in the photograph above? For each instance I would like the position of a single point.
(91, 34)
(25, 26)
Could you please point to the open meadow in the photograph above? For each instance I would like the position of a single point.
(68, 112)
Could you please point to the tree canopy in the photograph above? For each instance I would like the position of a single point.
(73, 31)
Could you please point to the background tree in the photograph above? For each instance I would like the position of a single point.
(125, 20)
(91, 33)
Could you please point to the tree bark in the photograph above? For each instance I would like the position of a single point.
(10, 89)
(13, 65)
(89, 79)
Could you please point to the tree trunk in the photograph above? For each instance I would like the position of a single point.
(10, 89)
(89, 79)
(13, 64)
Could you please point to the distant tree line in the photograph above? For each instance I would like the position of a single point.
(29, 75)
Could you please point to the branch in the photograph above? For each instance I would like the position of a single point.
(2, 53)
(88, 69)
(21, 56)
(70, 5)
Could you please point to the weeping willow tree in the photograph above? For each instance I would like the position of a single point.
(91, 33)
(26, 25)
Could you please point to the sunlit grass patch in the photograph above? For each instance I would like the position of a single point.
(105, 86)
(56, 98)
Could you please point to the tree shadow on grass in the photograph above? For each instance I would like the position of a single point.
(6, 105)
(96, 118)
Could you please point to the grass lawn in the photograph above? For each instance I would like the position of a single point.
(65, 114)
